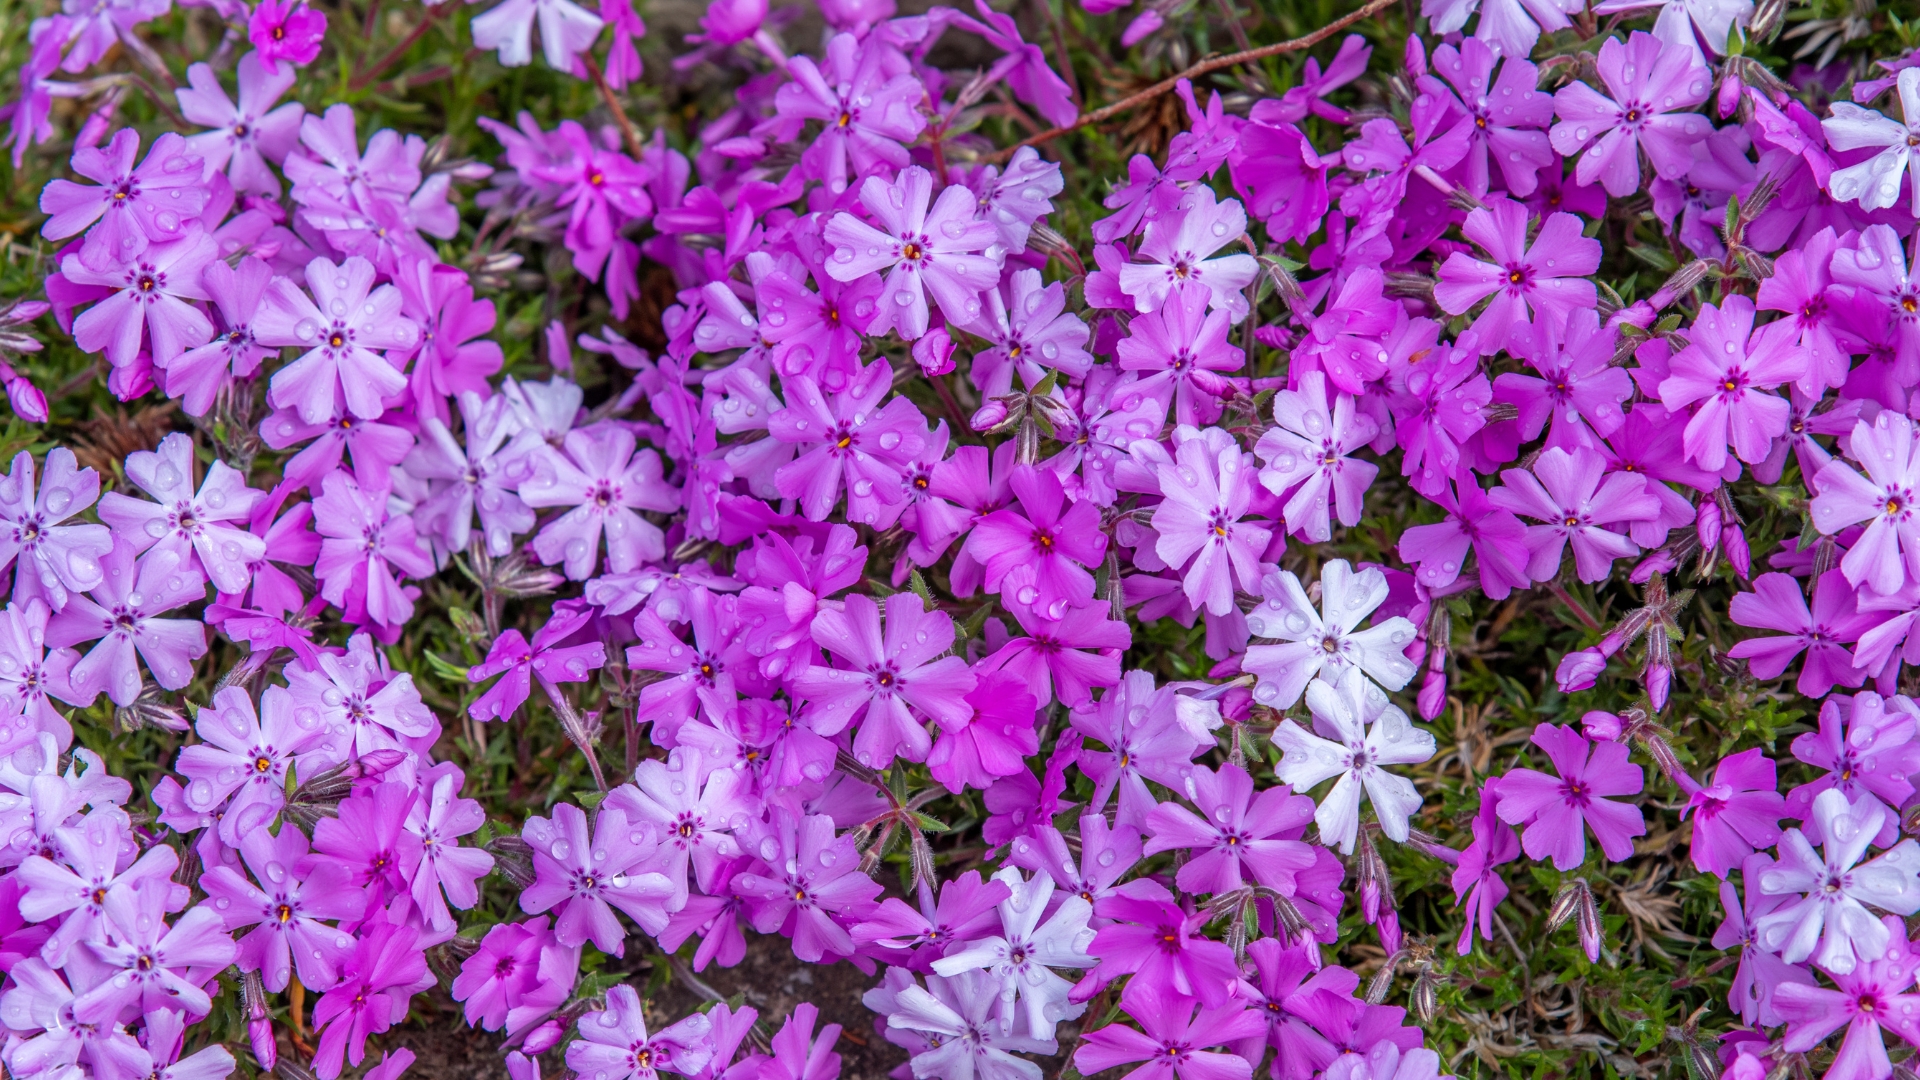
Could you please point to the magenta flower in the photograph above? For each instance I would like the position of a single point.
(922, 251)
(1649, 79)
(1504, 117)
(1207, 488)
(1056, 541)
(1553, 809)
(361, 550)
(806, 878)
(1173, 1040)
(1344, 339)
(1887, 554)
(615, 1043)
(291, 32)
(1776, 603)
(198, 375)
(520, 974)
(51, 561)
(1866, 754)
(1578, 386)
(1722, 374)
(544, 658)
(1577, 500)
(1495, 536)
(1183, 347)
(1476, 884)
(388, 966)
(286, 906)
(997, 740)
(1032, 333)
(602, 188)
(891, 678)
(340, 364)
(122, 613)
(157, 203)
(455, 356)
(1546, 277)
(246, 137)
(586, 877)
(1152, 939)
(190, 526)
(693, 806)
(1064, 657)
(74, 890)
(1180, 245)
(1150, 734)
(1441, 407)
(146, 966)
(368, 844)
(31, 677)
(1241, 836)
(1307, 455)
(850, 440)
(867, 110)
(151, 291)
(1738, 812)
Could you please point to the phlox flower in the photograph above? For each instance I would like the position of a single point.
(152, 291)
(1875, 182)
(847, 439)
(1738, 812)
(1869, 749)
(1151, 733)
(1327, 640)
(1158, 943)
(946, 251)
(1504, 117)
(288, 909)
(997, 740)
(1722, 375)
(1183, 347)
(1869, 998)
(362, 704)
(520, 974)
(1553, 809)
(289, 32)
(157, 202)
(1887, 554)
(1495, 536)
(1242, 834)
(599, 474)
(1546, 277)
(482, 477)
(948, 1026)
(1760, 974)
(1067, 654)
(1650, 80)
(1207, 489)
(615, 1043)
(145, 965)
(1174, 1040)
(1776, 603)
(1056, 540)
(546, 658)
(693, 805)
(340, 364)
(867, 109)
(244, 137)
(1307, 458)
(587, 876)
(1577, 385)
(364, 553)
(51, 561)
(192, 526)
(891, 675)
(198, 375)
(566, 28)
(448, 873)
(1576, 499)
(807, 877)
(1021, 957)
(1180, 245)
(1361, 730)
(245, 758)
(122, 613)
(1032, 333)
(388, 966)
(1510, 27)
(75, 889)
(1477, 885)
(1830, 923)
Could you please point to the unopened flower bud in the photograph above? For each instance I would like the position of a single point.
(522, 1067)
(543, 1038)
(1580, 670)
(1739, 555)
(988, 416)
(1416, 56)
(1601, 726)
(1433, 693)
(934, 352)
(1707, 523)
(28, 402)
(266, 1051)
(1658, 680)
(1142, 27)
(730, 22)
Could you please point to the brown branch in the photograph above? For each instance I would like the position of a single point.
(1204, 67)
(627, 130)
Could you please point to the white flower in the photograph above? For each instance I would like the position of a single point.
(566, 28)
(1875, 182)
(1354, 754)
(964, 1043)
(1832, 913)
(1328, 639)
(1021, 958)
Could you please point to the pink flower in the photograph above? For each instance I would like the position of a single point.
(388, 967)
(51, 560)
(1184, 347)
(1567, 491)
(1180, 245)
(340, 364)
(1649, 79)
(1495, 536)
(1554, 809)
(891, 677)
(1158, 943)
(599, 473)
(922, 251)
(1738, 812)
(1546, 276)
(246, 137)
(1871, 997)
(1887, 555)
(1173, 1043)
(286, 908)
(587, 876)
(1504, 117)
(1244, 834)
(615, 1043)
(152, 292)
(808, 879)
(1307, 455)
(361, 550)
(994, 743)
(157, 203)
(198, 375)
(867, 109)
(122, 613)
(1207, 488)
(1476, 883)
(1776, 603)
(192, 526)
(1830, 923)
(291, 32)
(1721, 374)
(1056, 541)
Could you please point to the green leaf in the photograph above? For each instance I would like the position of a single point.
(928, 823)
(919, 586)
(445, 669)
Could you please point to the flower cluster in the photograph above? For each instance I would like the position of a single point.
(877, 537)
